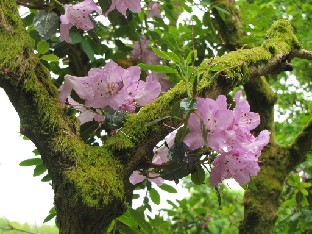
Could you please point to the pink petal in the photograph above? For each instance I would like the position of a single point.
(136, 178)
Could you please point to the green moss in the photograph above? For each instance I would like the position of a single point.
(281, 39)
(98, 178)
(12, 51)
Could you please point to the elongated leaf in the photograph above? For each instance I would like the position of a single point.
(128, 220)
(46, 23)
(46, 178)
(31, 162)
(168, 188)
(139, 218)
(49, 217)
(158, 68)
(111, 226)
(39, 169)
(167, 55)
(50, 57)
(191, 57)
(88, 49)
(154, 196)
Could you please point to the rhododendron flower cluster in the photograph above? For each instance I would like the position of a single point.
(77, 15)
(228, 134)
(112, 87)
(123, 5)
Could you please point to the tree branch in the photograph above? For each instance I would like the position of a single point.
(302, 53)
(301, 145)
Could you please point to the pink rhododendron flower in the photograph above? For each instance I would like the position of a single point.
(77, 15)
(236, 164)
(123, 5)
(241, 162)
(228, 133)
(154, 10)
(112, 86)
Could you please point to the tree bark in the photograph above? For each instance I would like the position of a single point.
(91, 183)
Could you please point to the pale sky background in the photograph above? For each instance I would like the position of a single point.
(23, 198)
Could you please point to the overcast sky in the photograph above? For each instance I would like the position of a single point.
(23, 198)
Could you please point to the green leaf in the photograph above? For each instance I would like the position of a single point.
(128, 220)
(52, 214)
(198, 176)
(46, 23)
(167, 55)
(50, 58)
(39, 169)
(31, 162)
(46, 178)
(158, 68)
(191, 57)
(49, 217)
(76, 37)
(139, 218)
(168, 188)
(111, 226)
(135, 196)
(36, 152)
(222, 10)
(154, 196)
(88, 49)
(43, 47)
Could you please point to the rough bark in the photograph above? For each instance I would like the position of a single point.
(91, 183)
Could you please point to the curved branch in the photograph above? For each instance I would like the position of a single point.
(301, 145)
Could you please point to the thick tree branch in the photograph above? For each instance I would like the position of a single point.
(301, 145)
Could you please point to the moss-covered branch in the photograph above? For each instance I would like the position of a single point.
(301, 145)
